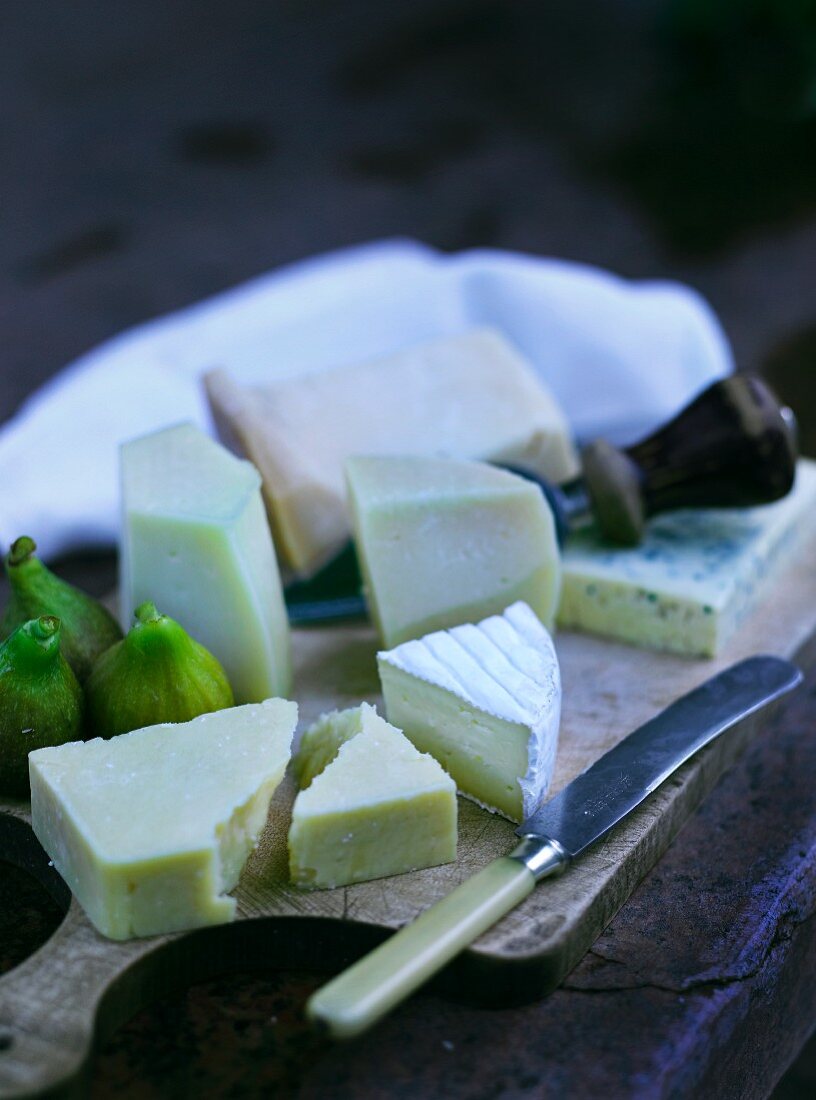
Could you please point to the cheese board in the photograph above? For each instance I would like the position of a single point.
(79, 986)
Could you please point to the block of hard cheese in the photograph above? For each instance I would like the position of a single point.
(696, 575)
(469, 396)
(371, 805)
(443, 542)
(196, 542)
(152, 828)
(485, 700)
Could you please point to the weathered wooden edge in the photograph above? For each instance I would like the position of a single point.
(600, 884)
(76, 990)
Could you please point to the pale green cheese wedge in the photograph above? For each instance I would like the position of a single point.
(694, 578)
(466, 396)
(196, 542)
(373, 806)
(152, 828)
(443, 542)
(485, 700)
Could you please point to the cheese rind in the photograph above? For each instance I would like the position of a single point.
(694, 578)
(443, 542)
(469, 396)
(485, 700)
(196, 542)
(371, 805)
(151, 829)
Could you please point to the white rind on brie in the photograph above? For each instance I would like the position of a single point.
(505, 669)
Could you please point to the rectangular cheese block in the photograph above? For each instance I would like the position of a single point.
(152, 828)
(485, 700)
(444, 541)
(371, 805)
(469, 396)
(196, 542)
(696, 575)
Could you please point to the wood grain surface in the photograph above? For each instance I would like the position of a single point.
(79, 985)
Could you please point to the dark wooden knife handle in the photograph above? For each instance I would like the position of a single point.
(733, 446)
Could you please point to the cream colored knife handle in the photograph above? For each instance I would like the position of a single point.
(364, 993)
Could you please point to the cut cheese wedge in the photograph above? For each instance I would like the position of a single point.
(694, 578)
(196, 542)
(152, 828)
(443, 542)
(372, 804)
(485, 700)
(467, 396)
(321, 742)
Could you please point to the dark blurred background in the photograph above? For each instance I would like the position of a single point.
(157, 152)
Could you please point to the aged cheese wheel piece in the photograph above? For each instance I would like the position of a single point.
(196, 542)
(443, 542)
(467, 396)
(372, 805)
(152, 828)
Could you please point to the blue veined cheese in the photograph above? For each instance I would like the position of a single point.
(485, 700)
(696, 575)
(196, 542)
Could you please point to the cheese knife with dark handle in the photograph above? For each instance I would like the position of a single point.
(733, 446)
(556, 834)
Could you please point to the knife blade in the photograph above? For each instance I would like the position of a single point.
(560, 831)
(596, 800)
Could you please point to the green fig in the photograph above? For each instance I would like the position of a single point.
(157, 673)
(40, 699)
(88, 629)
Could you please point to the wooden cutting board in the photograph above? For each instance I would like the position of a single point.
(80, 986)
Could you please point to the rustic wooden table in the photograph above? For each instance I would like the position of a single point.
(171, 150)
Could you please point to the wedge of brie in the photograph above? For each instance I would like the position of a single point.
(443, 542)
(485, 700)
(467, 396)
(152, 828)
(372, 805)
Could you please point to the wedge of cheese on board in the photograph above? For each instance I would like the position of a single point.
(196, 542)
(469, 396)
(443, 542)
(371, 804)
(485, 700)
(694, 578)
(152, 828)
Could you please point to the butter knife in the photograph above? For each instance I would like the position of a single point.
(556, 834)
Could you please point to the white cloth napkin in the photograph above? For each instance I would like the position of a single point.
(619, 356)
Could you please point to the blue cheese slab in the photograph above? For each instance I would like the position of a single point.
(696, 575)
